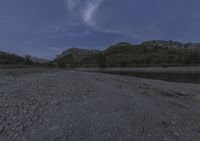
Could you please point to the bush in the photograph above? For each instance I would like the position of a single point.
(61, 65)
(102, 61)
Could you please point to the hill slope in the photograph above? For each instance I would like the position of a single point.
(145, 54)
(78, 57)
(7, 58)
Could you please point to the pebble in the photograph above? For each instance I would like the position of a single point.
(176, 134)
(6, 105)
(183, 93)
(173, 123)
(1, 129)
(34, 108)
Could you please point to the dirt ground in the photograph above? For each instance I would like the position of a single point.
(64, 105)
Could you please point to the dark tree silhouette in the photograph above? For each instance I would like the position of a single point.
(28, 60)
(102, 61)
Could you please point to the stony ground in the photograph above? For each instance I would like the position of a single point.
(63, 105)
(189, 69)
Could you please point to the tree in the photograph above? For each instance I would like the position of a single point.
(61, 64)
(102, 61)
(28, 60)
(66, 61)
(123, 64)
(195, 57)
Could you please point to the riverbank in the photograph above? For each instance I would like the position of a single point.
(63, 105)
(194, 69)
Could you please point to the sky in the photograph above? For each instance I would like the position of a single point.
(44, 28)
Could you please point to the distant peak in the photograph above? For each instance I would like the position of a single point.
(123, 44)
(77, 51)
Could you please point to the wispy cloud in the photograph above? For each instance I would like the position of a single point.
(71, 3)
(89, 12)
(87, 9)
(55, 49)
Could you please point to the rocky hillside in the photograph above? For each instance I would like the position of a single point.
(39, 60)
(77, 52)
(7, 58)
(154, 53)
(170, 44)
(151, 53)
(76, 56)
(123, 54)
(13, 59)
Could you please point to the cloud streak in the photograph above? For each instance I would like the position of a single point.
(89, 12)
(71, 3)
(87, 9)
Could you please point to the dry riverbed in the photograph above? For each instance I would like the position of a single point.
(63, 105)
(189, 69)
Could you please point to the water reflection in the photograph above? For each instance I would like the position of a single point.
(173, 77)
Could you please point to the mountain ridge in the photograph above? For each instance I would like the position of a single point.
(155, 52)
(122, 54)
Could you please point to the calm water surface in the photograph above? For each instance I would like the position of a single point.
(173, 77)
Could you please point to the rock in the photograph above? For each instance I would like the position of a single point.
(173, 123)
(55, 132)
(176, 134)
(6, 105)
(55, 103)
(1, 129)
(183, 93)
(143, 91)
(20, 127)
(34, 108)
(17, 124)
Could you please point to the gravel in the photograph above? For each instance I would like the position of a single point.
(64, 105)
(188, 69)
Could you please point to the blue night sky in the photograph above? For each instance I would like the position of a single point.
(45, 28)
